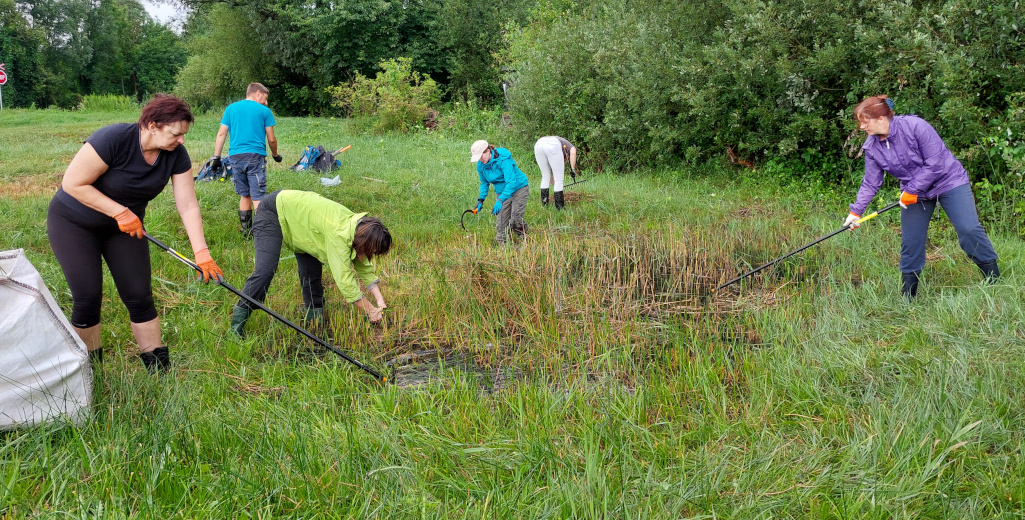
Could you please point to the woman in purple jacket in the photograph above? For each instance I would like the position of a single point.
(909, 149)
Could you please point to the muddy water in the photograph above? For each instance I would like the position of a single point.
(426, 366)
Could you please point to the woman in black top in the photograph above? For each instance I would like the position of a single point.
(98, 212)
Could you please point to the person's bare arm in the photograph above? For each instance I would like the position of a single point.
(184, 189)
(78, 181)
(222, 133)
(272, 141)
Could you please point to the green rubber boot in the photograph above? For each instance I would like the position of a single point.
(314, 321)
(239, 315)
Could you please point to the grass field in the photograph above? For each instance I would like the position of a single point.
(589, 373)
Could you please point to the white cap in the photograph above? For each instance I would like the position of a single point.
(477, 150)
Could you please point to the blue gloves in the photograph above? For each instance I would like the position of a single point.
(497, 208)
(480, 204)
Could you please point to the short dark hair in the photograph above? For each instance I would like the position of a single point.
(255, 87)
(165, 109)
(372, 238)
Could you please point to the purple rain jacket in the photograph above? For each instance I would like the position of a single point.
(914, 154)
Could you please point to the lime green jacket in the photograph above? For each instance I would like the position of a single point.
(325, 229)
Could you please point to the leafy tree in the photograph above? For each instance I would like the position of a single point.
(20, 51)
(157, 57)
(313, 45)
(224, 57)
(606, 74)
(353, 37)
(113, 28)
(471, 34)
(67, 51)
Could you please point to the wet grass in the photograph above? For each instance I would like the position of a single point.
(585, 373)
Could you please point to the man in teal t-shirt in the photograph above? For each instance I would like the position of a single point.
(249, 122)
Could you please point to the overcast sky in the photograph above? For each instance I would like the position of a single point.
(172, 15)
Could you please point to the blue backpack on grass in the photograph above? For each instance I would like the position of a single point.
(316, 158)
(209, 173)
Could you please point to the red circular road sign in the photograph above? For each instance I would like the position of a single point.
(3, 77)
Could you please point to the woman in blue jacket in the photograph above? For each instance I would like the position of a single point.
(495, 166)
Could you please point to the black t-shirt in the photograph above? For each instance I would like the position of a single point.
(129, 179)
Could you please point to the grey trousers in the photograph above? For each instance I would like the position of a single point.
(959, 205)
(511, 215)
(268, 241)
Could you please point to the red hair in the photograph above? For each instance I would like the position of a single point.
(165, 109)
(873, 107)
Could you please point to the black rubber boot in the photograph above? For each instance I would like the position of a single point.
(239, 315)
(245, 220)
(990, 272)
(544, 196)
(909, 285)
(559, 201)
(158, 360)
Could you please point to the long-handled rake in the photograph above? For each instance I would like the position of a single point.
(806, 246)
(575, 181)
(263, 307)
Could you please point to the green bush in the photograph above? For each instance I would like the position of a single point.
(644, 82)
(108, 103)
(471, 120)
(396, 100)
(1001, 194)
(602, 74)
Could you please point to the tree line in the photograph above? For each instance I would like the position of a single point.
(634, 83)
(769, 83)
(56, 51)
(60, 50)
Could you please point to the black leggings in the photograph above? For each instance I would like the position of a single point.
(79, 240)
(268, 241)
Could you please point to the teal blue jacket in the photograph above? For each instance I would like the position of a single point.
(501, 171)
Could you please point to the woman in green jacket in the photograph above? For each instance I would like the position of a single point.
(319, 231)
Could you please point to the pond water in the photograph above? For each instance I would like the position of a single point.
(425, 366)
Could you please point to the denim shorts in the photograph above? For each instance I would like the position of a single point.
(249, 171)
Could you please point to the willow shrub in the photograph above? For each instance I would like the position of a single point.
(396, 100)
(643, 82)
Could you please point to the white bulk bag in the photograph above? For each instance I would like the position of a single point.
(44, 367)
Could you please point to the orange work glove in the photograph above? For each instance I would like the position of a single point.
(206, 263)
(129, 223)
(907, 199)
